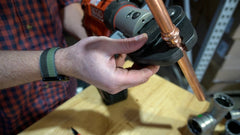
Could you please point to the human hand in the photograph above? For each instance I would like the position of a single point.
(92, 60)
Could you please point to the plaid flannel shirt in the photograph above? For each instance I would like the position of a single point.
(31, 25)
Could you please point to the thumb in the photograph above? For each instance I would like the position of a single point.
(128, 45)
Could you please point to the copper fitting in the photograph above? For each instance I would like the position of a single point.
(170, 33)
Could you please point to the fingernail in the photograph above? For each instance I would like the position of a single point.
(144, 35)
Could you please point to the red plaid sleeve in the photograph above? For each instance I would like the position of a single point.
(63, 3)
(31, 25)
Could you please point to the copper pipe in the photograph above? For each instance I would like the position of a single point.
(163, 19)
(170, 33)
(191, 77)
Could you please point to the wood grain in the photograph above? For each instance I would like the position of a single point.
(157, 107)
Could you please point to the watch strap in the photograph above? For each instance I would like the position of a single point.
(47, 66)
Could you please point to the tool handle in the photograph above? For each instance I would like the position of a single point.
(110, 99)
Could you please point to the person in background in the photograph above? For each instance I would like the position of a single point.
(33, 50)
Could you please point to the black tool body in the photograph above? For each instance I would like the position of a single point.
(156, 51)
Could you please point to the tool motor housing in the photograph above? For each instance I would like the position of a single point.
(99, 15)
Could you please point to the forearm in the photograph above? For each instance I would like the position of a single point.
(72, 20)
(19, 67)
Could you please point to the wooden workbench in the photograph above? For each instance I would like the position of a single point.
(157, 107)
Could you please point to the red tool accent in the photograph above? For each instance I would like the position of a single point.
(94, 16)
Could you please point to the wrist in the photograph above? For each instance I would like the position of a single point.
(61, 62)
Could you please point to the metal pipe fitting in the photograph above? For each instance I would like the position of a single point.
(233, 114)
(232, 127)
(205, 123)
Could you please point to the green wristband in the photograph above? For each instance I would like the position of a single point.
(47, 66)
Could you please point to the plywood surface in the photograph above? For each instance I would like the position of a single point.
(157, 107)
